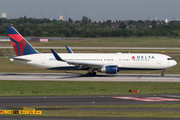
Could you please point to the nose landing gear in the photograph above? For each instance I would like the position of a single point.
(162, 74)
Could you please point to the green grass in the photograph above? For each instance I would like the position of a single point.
(65, 88)
(129, 42)
(115, 114)
(108, 42)
(127, 114)
(130, 114)
(137, 106)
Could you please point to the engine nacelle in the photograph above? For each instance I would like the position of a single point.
(112, 69)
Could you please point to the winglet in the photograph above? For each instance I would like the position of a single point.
(69, 49)
(58, 58)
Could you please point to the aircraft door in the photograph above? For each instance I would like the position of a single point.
(43, 60)
(158, 61)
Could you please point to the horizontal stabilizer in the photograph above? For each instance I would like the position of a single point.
(21, 59)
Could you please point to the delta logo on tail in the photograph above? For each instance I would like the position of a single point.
(20, 45)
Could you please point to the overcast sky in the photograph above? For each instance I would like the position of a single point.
(94, 9)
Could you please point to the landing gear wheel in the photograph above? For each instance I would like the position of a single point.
(91, 74)
(88, 74)
(162, 74)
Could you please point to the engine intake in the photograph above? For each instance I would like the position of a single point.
(112, 69)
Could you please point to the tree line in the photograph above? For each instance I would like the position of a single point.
(86, 28)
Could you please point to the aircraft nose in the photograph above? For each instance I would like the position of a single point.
(173, 63)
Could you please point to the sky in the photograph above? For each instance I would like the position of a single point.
(93, 9)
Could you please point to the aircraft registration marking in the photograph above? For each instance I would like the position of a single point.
(148, 99)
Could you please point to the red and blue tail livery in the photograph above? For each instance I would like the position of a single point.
(19, 43)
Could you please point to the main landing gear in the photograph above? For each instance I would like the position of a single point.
(162, 74)
(91, 72)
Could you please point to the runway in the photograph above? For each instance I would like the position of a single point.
(92, 100)
(82, 77)
(87, 100)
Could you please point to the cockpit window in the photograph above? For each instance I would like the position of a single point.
(169, 59)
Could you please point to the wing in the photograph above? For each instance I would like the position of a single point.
(85, 64)
(82, 64)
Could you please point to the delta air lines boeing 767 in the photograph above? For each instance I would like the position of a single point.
(109, 63)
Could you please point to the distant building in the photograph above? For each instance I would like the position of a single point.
(3, 15)
(39, 39)
(166, 21)
(115, 25)
(100, 21)
(177, 19)
(61, 17)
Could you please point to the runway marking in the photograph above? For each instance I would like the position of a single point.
(148, 99)
(174, 96)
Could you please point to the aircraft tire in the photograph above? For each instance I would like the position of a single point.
(162, 75)
(93, 74)
(88, 74)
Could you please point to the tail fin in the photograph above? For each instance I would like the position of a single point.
(20, 44)
(69, 49)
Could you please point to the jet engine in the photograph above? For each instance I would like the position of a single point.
(111, 69)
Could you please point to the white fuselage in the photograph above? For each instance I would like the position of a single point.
(121, 60)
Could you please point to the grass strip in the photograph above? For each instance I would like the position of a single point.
(121, 114)
(107, 42)
(82, 88)
(127, 114)
(148, 106)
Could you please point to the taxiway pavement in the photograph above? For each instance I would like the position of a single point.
(98, 77)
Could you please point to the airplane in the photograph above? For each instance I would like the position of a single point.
(109, 63)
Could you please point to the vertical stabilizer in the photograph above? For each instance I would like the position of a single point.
(19, 43)
(69, 49)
